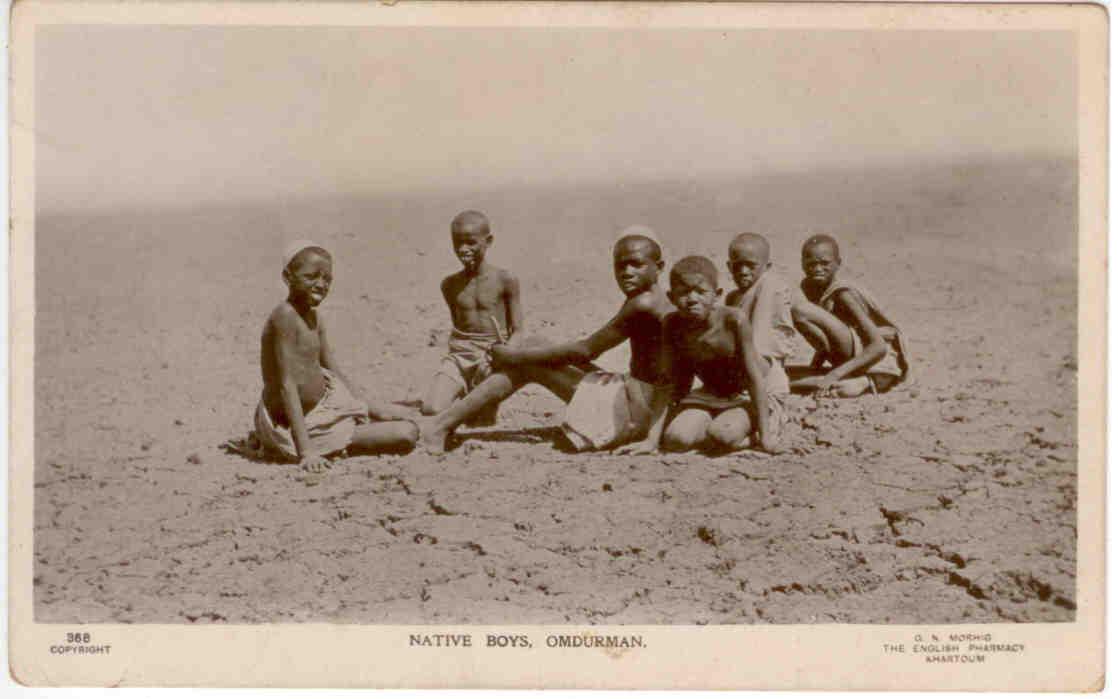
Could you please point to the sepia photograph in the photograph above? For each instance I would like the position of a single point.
(609, 319)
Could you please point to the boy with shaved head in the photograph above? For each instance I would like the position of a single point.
(484, 304)
(766, 299)
(308, 408)
(864, 349)
(716, 344)
(604, 409)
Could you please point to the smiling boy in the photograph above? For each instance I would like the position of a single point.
(715, 343)
(867, 352)
(484, 304)
(604, 409)
(308, 408)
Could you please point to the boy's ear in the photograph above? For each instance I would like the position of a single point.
(718, 293)
(659, 266)
(286, 275)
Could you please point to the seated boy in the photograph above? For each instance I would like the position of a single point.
(716, 344)
(766, 299)
(309, 409)
(481, 298)
(848, 328)
(604, 410)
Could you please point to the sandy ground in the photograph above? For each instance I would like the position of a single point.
(953, 501)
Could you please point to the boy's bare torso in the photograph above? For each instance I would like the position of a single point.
(711, 352)
(298, 338)
(475, 299)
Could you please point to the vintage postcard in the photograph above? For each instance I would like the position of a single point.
(529, 344)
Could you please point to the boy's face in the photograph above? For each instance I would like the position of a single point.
(309, 278)
(635, 268)
(694, 295)
(470, 245)
(747, 263)
(820, 262)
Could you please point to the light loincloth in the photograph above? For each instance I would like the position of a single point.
(607, 410)
(330, 424)
(467, 363)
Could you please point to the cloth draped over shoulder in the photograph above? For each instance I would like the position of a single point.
(890, 331)
(777, 338)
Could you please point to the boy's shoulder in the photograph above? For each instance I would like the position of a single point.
(504, 275)
(775, 280)
(647, 302)
(284, 316)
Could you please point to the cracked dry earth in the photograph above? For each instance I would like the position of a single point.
(953, 501)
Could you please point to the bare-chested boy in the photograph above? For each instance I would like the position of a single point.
(604, 410)
(484, 304)
(766, 299)
(309, 409)
(864, 350)
(716, 344)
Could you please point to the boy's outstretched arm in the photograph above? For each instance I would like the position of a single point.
(378, 410)
(873, 343)
(755, 376)
(286, 360)
(587, 349)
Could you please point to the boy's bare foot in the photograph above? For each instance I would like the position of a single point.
(431, 439)
(314, 464)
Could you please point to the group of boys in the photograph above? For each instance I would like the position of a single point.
(309, 409)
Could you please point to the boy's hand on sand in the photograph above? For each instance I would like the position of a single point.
(763, 445)
(818, 360)
(314, 463)
(637, 448)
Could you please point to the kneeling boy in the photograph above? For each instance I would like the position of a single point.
(716, 344)
(308, 409)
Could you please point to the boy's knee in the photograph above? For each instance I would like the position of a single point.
(427, 409)
(728, 436)
(679, 439)
(410, 433)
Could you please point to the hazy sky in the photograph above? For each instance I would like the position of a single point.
(164, 115)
